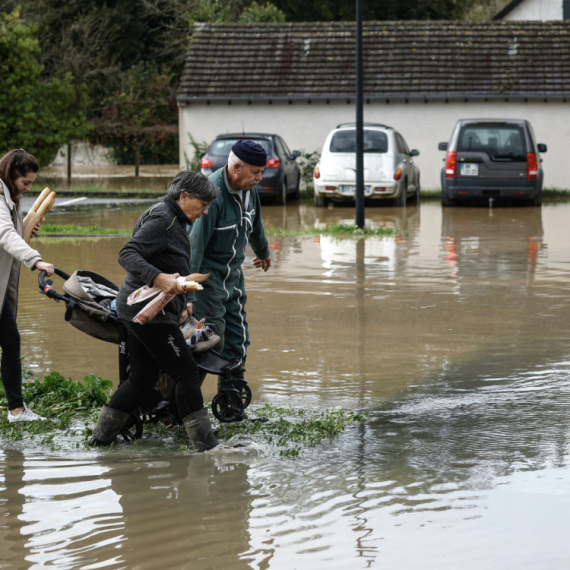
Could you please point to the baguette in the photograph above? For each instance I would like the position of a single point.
(39, 200)
(192, 286)
(198, 277)
(30, 222)
(46, 205)
(37, 216)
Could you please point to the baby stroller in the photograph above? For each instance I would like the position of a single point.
(88, 298)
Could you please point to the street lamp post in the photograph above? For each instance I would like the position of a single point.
(359, 121)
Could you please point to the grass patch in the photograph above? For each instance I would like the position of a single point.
(336, 229)
(71, 409)
(289, 429)
(60, 401)
(60, 229)
(102, 191)
(555, 193)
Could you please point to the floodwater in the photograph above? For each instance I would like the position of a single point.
(454, 336)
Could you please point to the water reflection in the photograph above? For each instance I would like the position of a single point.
(107, 511)
(59, 511)
(492, 244)
(454, 336)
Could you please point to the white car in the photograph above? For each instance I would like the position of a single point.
(389, 168)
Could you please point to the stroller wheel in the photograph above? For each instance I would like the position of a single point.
(227, 406)
(133, 429)
(244, 391)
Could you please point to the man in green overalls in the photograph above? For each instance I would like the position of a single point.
(218, 247)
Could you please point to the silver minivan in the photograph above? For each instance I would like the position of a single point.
(492, 159)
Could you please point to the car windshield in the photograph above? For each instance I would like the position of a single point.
(500, 142)
(345, 141)
(222, 147)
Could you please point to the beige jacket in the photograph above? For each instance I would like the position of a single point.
(13, 249)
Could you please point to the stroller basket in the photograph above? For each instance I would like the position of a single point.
(88, 300)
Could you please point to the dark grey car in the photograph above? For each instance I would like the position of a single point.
(492, 160)
(282, 175)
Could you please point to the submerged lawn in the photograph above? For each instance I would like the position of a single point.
(338, 230)
(71, 410)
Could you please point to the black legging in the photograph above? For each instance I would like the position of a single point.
(152, 348)
(11, 365)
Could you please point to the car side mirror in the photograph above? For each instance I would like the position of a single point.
(414, 152)
(541, 147)
(442, 146)
(296, 154)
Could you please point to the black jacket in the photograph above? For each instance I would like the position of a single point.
(160, 244)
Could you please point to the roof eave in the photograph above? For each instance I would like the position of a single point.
(377, 97)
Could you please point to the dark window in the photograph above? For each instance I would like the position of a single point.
(222, 147)
(500, 142)
(402, 146)
(345, 141)
(285, 147)
(279, 149)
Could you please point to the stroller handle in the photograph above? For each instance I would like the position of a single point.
(45, 286)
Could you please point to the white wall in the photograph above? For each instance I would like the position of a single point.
(84, 154)
(304, 127)
(536, 10)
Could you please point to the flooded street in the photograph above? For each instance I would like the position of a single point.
(454, 336)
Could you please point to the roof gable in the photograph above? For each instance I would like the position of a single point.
(401, 60)
(507, 9)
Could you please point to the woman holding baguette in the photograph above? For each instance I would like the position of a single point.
(157, 254)
(18, 171)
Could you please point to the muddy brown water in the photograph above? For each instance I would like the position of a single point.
(453, 335)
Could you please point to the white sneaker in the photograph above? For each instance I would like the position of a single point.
(24, 416)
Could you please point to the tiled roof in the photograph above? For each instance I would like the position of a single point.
(412, 60)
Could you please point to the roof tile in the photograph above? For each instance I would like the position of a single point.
(401, 60)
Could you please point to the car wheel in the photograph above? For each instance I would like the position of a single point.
(537, 200)
(320, 201)
(418, 190)
(297, 192)
(445, 199)
(403, 197)
(281, 198)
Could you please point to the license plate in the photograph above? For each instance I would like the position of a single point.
(469, 170)
(351, 190)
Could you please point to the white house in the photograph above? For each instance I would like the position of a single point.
(542, 10)
(297, 79)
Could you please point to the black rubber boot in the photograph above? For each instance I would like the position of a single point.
(199, 430)
(109, 424)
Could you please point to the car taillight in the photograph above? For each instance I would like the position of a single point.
(398, 174)
(206, 163)
(272, 163)
(451, 165)
(317, 172)
(531, 165)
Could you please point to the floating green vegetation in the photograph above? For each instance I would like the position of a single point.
(59, 229)
(71, 409)
(59, 400)
(291, 429)
(337, 229)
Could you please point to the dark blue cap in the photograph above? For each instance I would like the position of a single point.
(250, 152)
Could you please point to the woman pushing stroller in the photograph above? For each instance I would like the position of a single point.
(18, 171)
(157, 254)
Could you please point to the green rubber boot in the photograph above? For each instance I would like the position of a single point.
(109, 424)
(199, 430)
